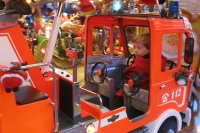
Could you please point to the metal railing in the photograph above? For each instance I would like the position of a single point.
(94, 94)
(54, 86)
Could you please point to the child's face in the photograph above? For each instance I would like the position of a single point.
(139, 49)
(172, 39)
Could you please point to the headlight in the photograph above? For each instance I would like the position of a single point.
(90, 128)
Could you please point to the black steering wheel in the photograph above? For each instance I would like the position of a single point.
(170, 64)
(101, 72)
(133, 79)
(131, 57)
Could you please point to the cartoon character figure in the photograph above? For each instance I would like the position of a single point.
(170, 43)
(13, 78)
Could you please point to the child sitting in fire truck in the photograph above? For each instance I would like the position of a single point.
(141, 63)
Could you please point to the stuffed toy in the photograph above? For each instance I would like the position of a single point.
(37, 26)
(182, 77)
(13, 78)
(182, 80)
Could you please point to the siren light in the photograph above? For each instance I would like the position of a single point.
(117, 5)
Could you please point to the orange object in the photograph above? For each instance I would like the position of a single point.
(99, 73)
(165, 97)
(165, 100)
(130, 83)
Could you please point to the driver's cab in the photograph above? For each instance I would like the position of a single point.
(108, 48)
(109, 45)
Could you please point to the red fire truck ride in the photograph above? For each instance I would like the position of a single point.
(38, 98)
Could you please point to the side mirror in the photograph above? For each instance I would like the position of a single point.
(189, 50)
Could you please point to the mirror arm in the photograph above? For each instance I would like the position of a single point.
(188, 33)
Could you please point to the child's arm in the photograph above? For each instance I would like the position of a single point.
(131, 67)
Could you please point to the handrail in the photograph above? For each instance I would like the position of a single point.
(54, 86)
(94, 94)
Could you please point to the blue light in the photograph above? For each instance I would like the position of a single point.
(174, 7)
(116, 5)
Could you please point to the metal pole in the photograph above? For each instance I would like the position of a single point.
(74, 63)
(52, 39)
(157, 3)
(54, 86)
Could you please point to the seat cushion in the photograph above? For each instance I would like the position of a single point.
(28, 94)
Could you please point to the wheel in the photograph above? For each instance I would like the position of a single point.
(133, 79)
(101, 73)
(168, 126)
(129, 59)
(170, 64)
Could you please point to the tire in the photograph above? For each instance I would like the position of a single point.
(168, 126)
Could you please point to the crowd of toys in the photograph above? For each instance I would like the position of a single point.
(46, 12)
(37, 26)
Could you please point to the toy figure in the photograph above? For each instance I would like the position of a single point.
(181, 80)
(81, 34)
(87, 8)
(170, 43)
(14, 77)
(68, 9)
(107, 7)
(181, 76)
(140, 5)
(64, 17)
(50, 13)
